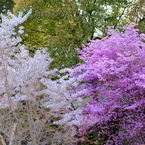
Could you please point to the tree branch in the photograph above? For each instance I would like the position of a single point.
(2, 140)
(12, 135)
(141, 19)
(120, 17)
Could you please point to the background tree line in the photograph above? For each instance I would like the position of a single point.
(64, 25)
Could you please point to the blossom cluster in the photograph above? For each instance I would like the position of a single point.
(116, 86)
(27, 77)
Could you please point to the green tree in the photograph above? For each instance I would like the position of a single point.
(136, 14)
(6, 5)
(66, 24)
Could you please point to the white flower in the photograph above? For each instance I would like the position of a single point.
(23, 77)
(21, 31)
(21, 27)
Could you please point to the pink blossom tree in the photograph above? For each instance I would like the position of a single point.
(115, 84)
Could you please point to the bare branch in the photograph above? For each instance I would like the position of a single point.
(120, 17)
(12, 135)
(2, 140)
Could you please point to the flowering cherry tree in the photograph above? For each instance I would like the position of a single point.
(27, 78)
(111, 81)
(116, 87)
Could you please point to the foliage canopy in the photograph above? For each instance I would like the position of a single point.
(66, 24)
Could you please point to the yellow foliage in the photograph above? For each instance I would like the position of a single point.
(22, 4)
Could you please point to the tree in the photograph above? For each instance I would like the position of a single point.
(66, 24)
(31, 100)
(115, 85)
(6, 5)
(135, 14)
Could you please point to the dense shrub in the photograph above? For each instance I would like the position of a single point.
(115, 84)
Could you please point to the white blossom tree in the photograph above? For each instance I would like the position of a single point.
(29, 97)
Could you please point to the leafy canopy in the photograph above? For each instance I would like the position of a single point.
(66, 24)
